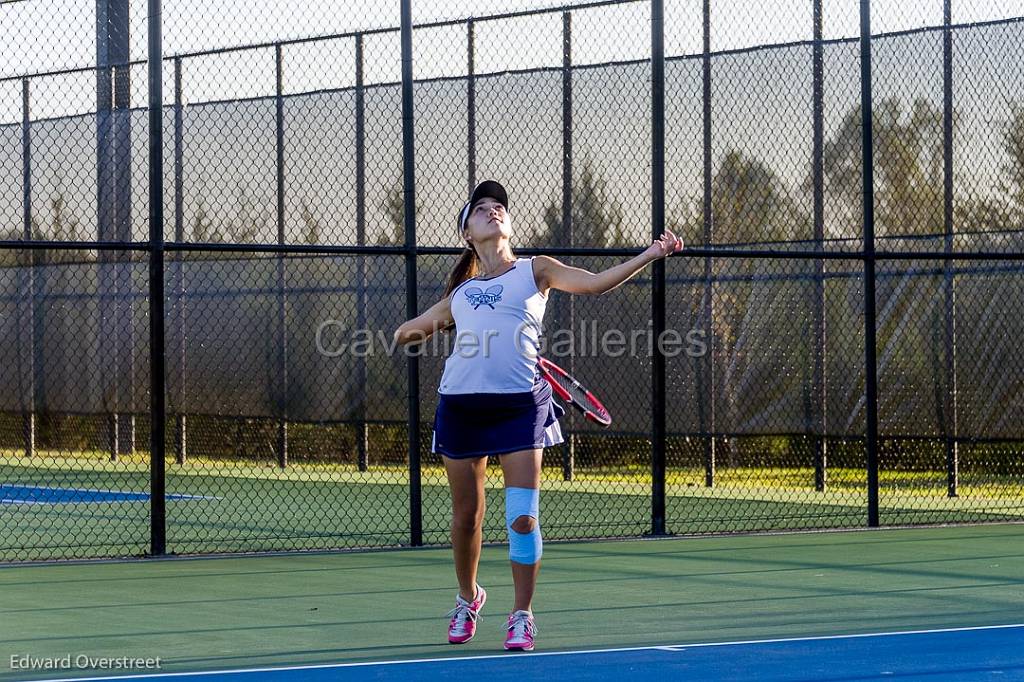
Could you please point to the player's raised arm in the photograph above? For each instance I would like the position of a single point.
(553, 274)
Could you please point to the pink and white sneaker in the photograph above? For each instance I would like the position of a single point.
(521, 630)
(464, 617)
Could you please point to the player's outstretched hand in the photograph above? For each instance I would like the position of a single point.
(664, 246)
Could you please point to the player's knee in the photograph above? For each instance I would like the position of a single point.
(522, 514)
(524, 524)
(465, 524)
(468, 518)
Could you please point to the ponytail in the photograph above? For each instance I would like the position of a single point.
(467, 268)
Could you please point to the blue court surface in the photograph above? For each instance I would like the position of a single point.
(982, 653)
(31, 494)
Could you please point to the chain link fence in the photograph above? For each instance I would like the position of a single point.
(838, 340)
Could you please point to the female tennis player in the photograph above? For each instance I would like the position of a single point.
(492, 400)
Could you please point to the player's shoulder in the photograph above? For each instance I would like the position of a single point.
(543, 267)
(542, 263)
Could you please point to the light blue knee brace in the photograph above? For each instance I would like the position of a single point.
(523, 548)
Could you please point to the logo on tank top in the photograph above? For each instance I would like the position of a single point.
(478, 297)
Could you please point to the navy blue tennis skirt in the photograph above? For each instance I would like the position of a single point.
(480, 424)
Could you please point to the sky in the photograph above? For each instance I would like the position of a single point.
(37, 35)
(761, 99)
(47, 35)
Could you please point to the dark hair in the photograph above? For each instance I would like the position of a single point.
(468, 267)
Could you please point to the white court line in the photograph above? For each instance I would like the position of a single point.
(11, 487)
(22, 486)
(675, 648)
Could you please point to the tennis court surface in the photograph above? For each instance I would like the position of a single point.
(928, 604)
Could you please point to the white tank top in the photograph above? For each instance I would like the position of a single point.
(497, 333)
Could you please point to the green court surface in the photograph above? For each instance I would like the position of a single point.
(240, 508)
(300, 609)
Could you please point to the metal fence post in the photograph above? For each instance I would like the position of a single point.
(658, 526)
(470, 106)
(105, 222)
(180, 424)
(114, 208)
(706, 376)
(411, 305)
(950, 408)
(818, 388)
(27, 298)
(870, 352)
(158, 386)
(362, 434)
(124, 305)
(568, 228)
(282, 301)
(113, 187)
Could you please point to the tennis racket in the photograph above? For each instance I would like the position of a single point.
(573, 392)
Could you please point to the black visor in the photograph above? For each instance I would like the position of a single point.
(488, 189)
